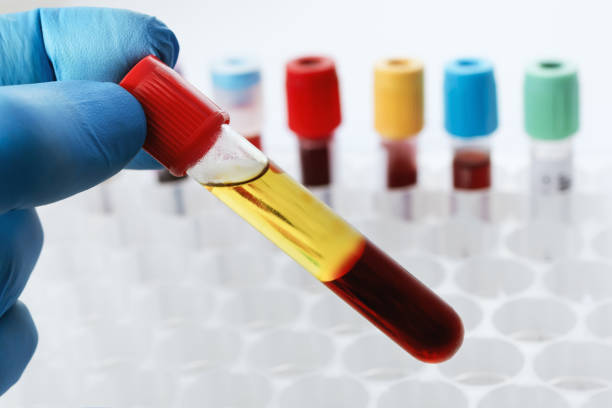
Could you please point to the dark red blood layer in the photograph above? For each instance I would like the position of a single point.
(316, 165)
(471, 170)
(401, 306)
(401, 168)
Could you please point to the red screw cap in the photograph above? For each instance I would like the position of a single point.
(313, 98)
(182, 123)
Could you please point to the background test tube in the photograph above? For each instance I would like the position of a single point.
(165, 177)
(470, 102)
(313, 110)
(243, 178)
(398, 118)
(551, 118)
(237, 89)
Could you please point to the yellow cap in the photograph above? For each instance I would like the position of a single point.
(398, 98)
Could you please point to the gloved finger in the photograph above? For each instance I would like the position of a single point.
(60, 138)
(97, 44)
(143, 161)
(21, 239)
(18, 340)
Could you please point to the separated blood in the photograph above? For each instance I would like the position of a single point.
(377, 287)
(243, 178)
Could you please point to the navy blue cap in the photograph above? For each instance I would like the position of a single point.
(470, 98)
(235, 73)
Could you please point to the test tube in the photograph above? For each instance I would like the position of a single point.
(164, 177)
(189, 134)
(237, 89)
(551, 118)
(313, 110)
(470, 118)
(398, 118)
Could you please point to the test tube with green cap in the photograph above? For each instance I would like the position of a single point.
(551, 119)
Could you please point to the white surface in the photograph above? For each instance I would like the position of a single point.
(141, 307)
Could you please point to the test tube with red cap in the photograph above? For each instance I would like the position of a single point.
(313, 108)
(398, 118)
(189, 134)
(237, 88)
(470, 100)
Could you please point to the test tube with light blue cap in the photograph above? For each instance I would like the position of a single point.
(470, 100)
(237, 89)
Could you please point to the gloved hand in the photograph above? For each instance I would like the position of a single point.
(60, 136)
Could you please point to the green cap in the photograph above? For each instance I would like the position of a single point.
(551, 99)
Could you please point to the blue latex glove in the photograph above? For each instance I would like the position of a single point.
(65, 127)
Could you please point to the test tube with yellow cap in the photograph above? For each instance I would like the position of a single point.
(398, 118)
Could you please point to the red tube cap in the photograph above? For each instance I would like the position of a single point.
(313, 98)
(182, 123)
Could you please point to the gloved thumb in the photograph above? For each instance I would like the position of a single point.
(60, 138)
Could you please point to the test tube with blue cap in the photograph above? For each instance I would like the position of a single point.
(551, 119)
(237, 88)
(470, 118)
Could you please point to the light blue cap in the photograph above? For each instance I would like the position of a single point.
(235, 73)
(470, 98)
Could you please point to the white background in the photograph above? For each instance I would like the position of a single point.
(357, 33)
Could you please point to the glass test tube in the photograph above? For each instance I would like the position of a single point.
(237, 89)
(470, 118)
(551, 119)
(313, 112)
(398, 118)
(189, 133)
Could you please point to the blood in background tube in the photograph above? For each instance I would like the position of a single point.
(401, 165)
(471, 170)
(315, 162)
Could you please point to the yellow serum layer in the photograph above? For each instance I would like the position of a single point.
(297, 222)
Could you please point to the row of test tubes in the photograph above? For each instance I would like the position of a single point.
(470, 118)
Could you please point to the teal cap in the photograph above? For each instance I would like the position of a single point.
(551, 99)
